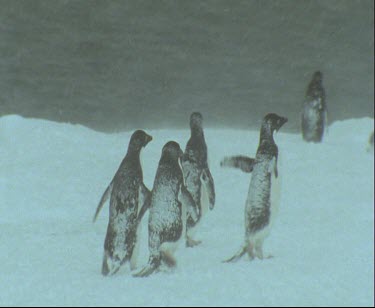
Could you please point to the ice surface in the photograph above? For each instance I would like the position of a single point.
(53, 175)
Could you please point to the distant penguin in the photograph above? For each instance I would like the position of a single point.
(198, 178)
(370, 145)
(314, 114)
(261, 204)
(127, 195)
(170, 202)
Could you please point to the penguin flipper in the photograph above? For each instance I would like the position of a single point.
(185, 197)
(209, 184)
(246, 164)
(145, 200)
(104, 198)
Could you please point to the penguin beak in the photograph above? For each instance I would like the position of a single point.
(281, 122)
(148, 139)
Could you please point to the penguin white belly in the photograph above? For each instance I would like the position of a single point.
(120, 223)
(275, 193)
(204, 200)
(134, 257)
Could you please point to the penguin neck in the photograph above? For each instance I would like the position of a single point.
(266, 135)
(196, 132)
(133, 154)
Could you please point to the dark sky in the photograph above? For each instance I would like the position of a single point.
(114, 65)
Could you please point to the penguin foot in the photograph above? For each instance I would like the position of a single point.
(110, 266)
(146, 271)
(240, 253)
(192, 243)
(232, 259)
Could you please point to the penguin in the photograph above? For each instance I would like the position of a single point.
(314, 114)
(197, 175)
(128, 194)
(261, 204)
(170, 202)
(370, 144)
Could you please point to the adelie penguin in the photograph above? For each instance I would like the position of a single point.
(198, 178)
(128, 194)
(170, 203)
(262, 199)
(314, 113)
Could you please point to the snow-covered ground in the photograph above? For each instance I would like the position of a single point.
(53, 175)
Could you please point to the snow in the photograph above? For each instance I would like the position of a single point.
(53, 175)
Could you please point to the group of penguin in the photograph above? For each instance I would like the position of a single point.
(175, 202)
(184, 189)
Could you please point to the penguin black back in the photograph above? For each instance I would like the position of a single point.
(315, 88)
(127, 195)
(196, 148)
(314, 113)
(197, 175)
(169, 203)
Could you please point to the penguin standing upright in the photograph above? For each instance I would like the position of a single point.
(127, 195)
(261, 204)
(314, 114)
(198, 178)
(170, 202)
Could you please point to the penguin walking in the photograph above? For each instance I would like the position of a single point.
(261, 204)
(314, 114)
(197, 175)
(170, 202)
(128, 194)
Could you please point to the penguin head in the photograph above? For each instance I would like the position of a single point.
(272, 122)
(171, 151)
(138, 140)
(196, 120)
(318, 76)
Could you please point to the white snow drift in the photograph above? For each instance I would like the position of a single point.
(53, 175)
